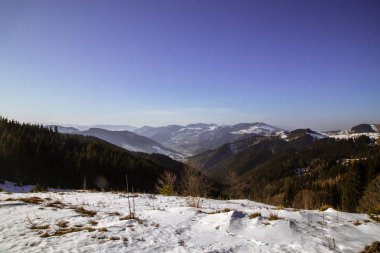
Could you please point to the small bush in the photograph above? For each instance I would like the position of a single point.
(114, 238)
(254, 215)
(356, 223)
(167, 190)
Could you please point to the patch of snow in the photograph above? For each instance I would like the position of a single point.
(283, 135)
(346, 135)
(318, 136)
(168, 153)
(255, 129)
(132, 148)
(189, 128)
(169, 224)
(374, 127)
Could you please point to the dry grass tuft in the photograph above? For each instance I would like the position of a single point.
(44, 235)
(273, 216)
(254, 215)
(31, 200)
(63, 231)
(85, 212)
(39, 227)
(62, 224)
(225, 210)
(357, 223)
(103, 229)
(114, 213)
(114, 238)
(56, 204)
(93, 222)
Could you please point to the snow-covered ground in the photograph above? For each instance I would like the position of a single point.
(170, 224)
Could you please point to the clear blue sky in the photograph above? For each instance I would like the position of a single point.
(291, 63)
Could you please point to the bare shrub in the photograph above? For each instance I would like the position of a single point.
(233, 184)
(194, 183)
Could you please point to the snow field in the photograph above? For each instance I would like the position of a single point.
(169, 224)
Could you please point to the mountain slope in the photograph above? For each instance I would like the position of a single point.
(126, 140)
(130, 141)
(250, 152)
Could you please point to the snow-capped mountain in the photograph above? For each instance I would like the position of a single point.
(196, 138)
(370, 130)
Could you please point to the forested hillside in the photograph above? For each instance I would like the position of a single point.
(32, 154)
(339, 173)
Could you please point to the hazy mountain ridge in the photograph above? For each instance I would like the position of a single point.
(197, 138)
(126, 140)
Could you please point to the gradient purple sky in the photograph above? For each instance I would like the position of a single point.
(290, 63)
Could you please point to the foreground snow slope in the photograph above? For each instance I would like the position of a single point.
(169, 224)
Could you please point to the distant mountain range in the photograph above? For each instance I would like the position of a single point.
(300, 168)
(179, 142)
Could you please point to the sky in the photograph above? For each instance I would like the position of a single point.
(146, 62)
